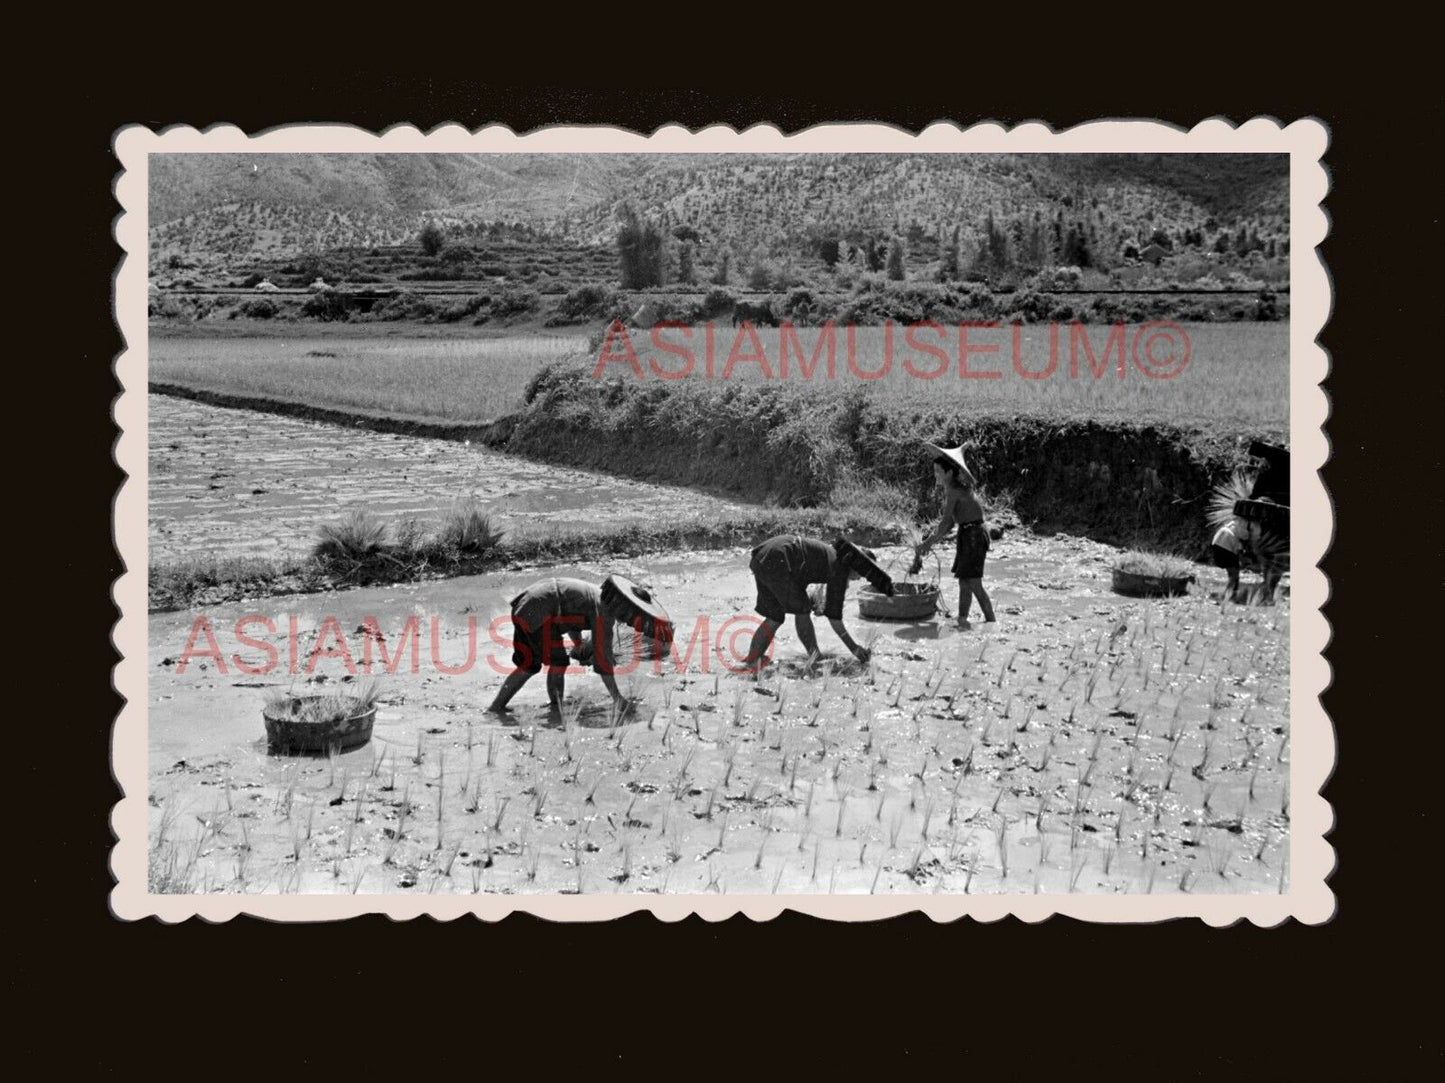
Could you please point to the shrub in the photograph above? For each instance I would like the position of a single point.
(357, 538)
(717, 302)
(461, 310)
(431, 239)
(326, 305)
(589, 302)
(260, 308)
(404, 306)
(469, 530)
(515, 301)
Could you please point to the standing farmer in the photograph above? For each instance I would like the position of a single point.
(962, 509)
(785, 567)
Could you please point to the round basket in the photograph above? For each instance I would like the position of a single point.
(1150, 586)
(287, 731)
(909, 601)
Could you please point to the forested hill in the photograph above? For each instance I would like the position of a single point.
(231, 205)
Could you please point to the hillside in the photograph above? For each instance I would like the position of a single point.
(225, 207)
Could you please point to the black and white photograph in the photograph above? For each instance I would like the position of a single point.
(693, 520)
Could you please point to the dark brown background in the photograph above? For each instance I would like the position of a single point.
(1178, 999)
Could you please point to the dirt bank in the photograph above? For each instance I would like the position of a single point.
(1144, 485)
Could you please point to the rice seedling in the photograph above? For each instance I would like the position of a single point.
(895, 827)
(730, 755)
(1003, 846)
(445, 863)
(1219, 858)
(355, 818)
(536, 858)
(539, 802)
(626, 873)
(492, 749)
(501, 811)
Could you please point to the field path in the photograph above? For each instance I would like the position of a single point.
(240, 483)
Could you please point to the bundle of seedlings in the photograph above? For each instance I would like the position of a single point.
(1266, 546)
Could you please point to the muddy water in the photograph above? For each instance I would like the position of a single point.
(1086, 742)
(238, 483)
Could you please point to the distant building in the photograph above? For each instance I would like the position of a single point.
(1152, 253)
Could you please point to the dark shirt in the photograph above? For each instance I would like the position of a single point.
(803, 562)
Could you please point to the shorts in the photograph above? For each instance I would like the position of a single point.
(778, 593)
(528, 649)
(973, 542)
(1223, 558)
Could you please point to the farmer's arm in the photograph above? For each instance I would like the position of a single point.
(943, 527)
(859, 652)
(605, 663)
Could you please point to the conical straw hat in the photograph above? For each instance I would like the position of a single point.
(629, 603)
(950, 454)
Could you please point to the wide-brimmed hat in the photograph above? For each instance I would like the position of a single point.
(860, 561)
(631, 603)
(952, 455)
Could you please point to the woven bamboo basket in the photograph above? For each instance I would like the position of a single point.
(288, 731)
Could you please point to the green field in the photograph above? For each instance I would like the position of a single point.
(1237, 374)
(454, 379)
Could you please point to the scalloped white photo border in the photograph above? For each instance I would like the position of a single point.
(1312, 741)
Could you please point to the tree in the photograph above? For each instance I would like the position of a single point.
(896, 272)
(720, 274)
(685, 272)
(639, 248)
(948, 265)
(431, 239)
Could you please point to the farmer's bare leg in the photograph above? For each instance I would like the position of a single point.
(804, 624)
(965, 601)
(985, 603)
(510, 687)
(556, 681)
(762, 641)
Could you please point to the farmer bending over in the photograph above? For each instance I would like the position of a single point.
(784, 568)
(543, 614)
